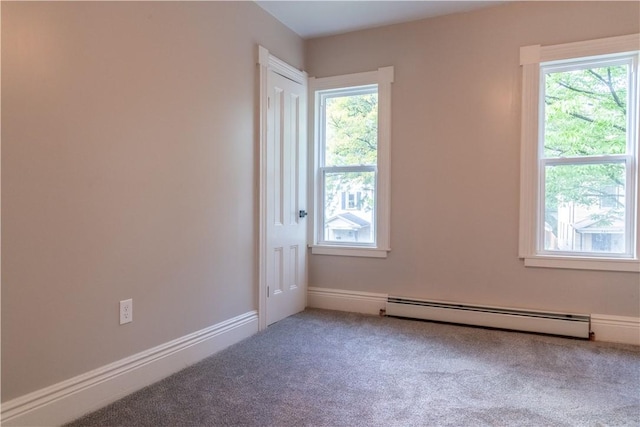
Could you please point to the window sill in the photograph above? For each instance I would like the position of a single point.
(629, 265)
(349, 251)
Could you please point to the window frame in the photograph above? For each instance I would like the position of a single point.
(383, 78)
(533, 59)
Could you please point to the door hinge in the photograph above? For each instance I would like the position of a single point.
(268, 102)
(268, 291)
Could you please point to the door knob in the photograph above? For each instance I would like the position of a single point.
(302, 213)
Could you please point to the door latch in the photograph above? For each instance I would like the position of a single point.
(302, 213)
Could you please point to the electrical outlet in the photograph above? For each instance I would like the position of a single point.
(126, 311)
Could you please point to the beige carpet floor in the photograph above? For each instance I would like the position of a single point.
(325, 368)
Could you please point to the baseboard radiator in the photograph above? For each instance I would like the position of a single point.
(565, 324)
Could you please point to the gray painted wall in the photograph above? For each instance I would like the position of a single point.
(129, 161)
(456, 157)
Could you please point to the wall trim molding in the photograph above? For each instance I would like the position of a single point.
(620, 329)
(341, 300)
(72, 398)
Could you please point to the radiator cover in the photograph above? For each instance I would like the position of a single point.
(565, 324)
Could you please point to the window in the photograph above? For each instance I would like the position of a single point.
(579, 183)
(353, 201)
(351, 158)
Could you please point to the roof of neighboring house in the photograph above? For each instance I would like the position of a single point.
(349, 217)
(600, 222)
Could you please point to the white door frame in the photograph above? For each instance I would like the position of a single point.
(267, 62)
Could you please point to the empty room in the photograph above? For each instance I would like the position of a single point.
(320, 213)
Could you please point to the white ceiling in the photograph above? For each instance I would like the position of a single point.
(321, 18)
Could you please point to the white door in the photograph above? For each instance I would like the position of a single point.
(286, 171)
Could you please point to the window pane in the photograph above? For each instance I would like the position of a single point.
(585, 208)
(349, 206)
(351, 128)
(586, 111)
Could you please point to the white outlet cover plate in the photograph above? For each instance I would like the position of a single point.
(126, 311)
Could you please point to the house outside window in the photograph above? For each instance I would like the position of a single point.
(351, 163)
(579, 183)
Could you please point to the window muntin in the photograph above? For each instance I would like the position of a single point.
(587, 146)
(348, 137)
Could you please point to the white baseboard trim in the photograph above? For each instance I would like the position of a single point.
(606, 328)
(70, 399)
(340, 300)
(619, 329)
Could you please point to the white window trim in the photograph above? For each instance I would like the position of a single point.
(530, 59)
(383, 77)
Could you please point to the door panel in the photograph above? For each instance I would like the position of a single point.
(286, 185)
